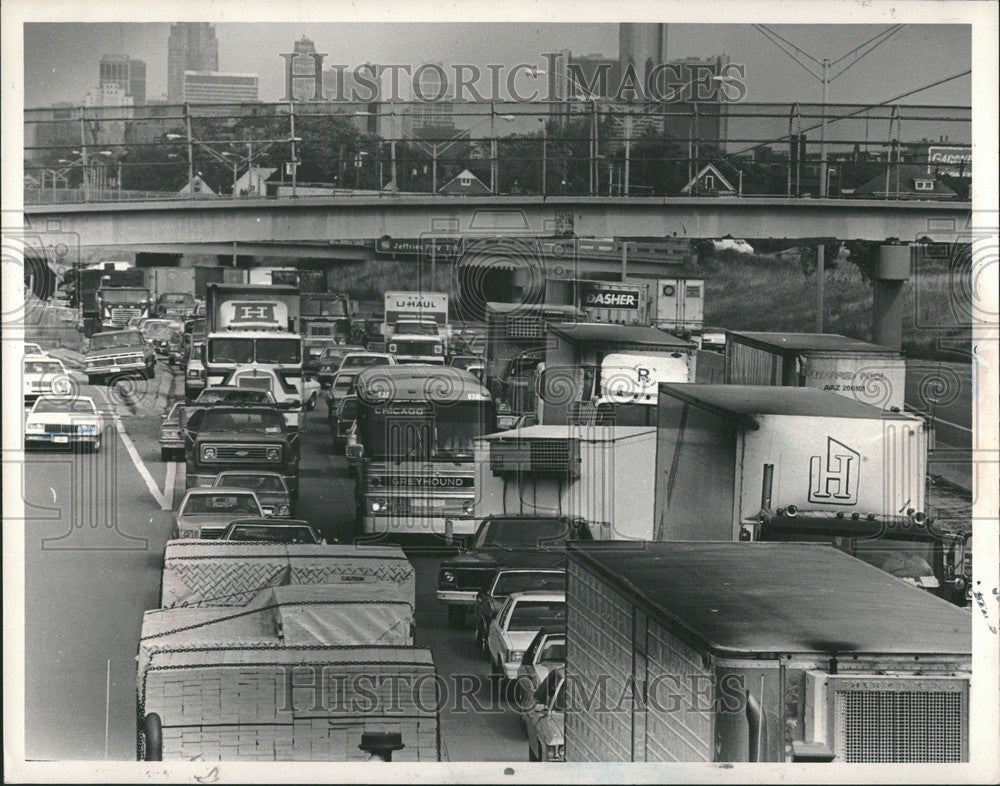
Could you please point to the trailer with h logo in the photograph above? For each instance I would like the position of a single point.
(253, 342)
(750, 462)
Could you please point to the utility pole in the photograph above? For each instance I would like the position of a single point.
(84, 161)
(190, 146)
(295, 157)
(822, 133)
(493, 148)
(820, 276)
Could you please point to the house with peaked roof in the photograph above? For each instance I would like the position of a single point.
(709, 182)
(905, 181)
(465, 183)
(253, 182)
(197, 186)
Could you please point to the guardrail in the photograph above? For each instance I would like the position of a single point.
(573, 148)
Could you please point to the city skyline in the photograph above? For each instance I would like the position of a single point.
(57, 54)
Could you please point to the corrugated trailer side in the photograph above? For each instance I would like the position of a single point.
(302, 704)
(598, 668)
(750, 365)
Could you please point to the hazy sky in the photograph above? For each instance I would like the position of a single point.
(61, 60)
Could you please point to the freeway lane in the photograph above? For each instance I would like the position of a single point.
(88, 584)
(92, 566)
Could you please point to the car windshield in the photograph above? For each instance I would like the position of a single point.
(553, 652)
(537, 614)
(270, 483)
(363, 361)
(116, 340)
(242, 396)
(42, 367)
(243, 422)
(416, 329)
(344, 381)
(464, 361)
(68, 405)
(210, 504)
(174, 413)
(522, 532)
(265, 533)
(508, 583)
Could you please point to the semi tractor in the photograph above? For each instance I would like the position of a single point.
(515, 346)
(750, 462)
(118, 305)
(84, 284)
(253, 341)
(758, 652)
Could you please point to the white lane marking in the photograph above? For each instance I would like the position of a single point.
(140, 466)
(169, 484)
(107, 711)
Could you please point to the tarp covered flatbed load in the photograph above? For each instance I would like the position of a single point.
(242, 703)
(221, 573)
(294, 616)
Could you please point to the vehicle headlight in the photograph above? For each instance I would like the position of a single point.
(283, 510)
(34, 427)
(273, 454)
(438, 349)
(194, 373)
(554, 752)
(448, 577)
(515, 656)
(377, 506)
(469, 506)
(392, 347)
(189, 533)
(208, 453)
(87, 428)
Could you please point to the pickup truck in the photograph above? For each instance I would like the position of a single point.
(226, 437)
(504, 541)
(115, 352)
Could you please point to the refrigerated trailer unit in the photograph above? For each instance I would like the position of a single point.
(606, 373)
(855, 369)
(725, 452)
(602, 474)
(758, 652)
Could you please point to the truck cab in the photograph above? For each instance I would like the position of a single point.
(115, 352)
(223, 438)
(417, 341)
(116, 305)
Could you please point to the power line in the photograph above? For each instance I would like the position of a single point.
(766, 33)
(793, 46)
(866, 53)
(891, 31)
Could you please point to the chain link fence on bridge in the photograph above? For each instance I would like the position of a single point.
(573, 148)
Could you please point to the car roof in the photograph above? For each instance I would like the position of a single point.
(537, 595)
(258, 472)
(64, 398)
(256, 521)
(36, 358)
(366, 354)
(217, 490)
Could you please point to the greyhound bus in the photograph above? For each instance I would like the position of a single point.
(416, 426)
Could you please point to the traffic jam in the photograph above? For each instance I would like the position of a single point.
(652, 562)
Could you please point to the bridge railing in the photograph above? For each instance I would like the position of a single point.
(573, 148)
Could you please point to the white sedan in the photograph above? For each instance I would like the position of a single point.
(44, 376)
(515, 627)
(64, 421)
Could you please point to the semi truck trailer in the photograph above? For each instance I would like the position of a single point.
(758, 652)
(856, 369)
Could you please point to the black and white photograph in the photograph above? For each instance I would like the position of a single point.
(556, 392)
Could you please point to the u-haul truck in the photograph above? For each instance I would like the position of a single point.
(416, 326)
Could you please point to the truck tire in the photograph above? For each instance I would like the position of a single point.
(456, 617)
(150, 372)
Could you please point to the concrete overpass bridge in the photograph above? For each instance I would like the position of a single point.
(320, 227)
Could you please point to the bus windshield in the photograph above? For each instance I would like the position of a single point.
(423, 431)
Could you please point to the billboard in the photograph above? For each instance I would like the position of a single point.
(945, 160)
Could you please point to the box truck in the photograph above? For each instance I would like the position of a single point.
(602, 474)
(603, 373)
(826, 361)
(758, 652)
(415, 326)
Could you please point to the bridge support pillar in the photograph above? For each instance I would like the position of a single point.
(892, 271)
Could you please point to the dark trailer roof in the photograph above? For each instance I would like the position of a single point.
(627, 335)
(532, 309)
(795, 343)
(406, 382)
(773, 598)
(775, 400)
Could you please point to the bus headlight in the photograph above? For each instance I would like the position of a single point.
(377, 506)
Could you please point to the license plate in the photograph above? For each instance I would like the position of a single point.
(61, 440)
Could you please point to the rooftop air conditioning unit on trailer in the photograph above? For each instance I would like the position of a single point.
(551, 457)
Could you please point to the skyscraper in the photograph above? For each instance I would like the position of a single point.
(213, 87)
(642, 45)
(127, 73)
(192, 47)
